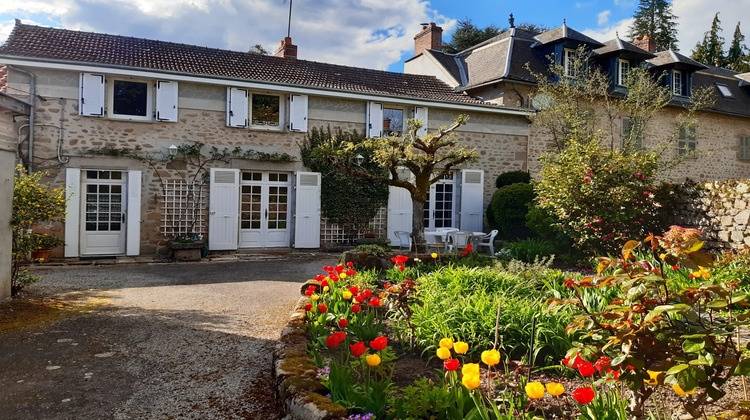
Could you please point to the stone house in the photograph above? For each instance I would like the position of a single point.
(495, 72)
(97, 92)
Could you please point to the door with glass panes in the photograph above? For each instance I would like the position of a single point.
(103, 212)
(440, 207)
(264, 209)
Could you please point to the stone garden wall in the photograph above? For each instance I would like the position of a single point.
(721, 209)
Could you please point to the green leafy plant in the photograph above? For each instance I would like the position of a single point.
(512, 177)
(510, 204)
(530, 250)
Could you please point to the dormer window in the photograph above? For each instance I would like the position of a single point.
(623, 67)
(724, 90)
(569, 66)
(677, 85)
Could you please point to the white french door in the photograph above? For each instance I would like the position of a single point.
(264, 209)
(103, 212)
(440, 208)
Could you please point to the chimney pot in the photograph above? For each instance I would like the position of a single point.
(429, 38)
(286, 49)
(645, 43)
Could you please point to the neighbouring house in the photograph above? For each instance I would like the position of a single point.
(495, 71)
(10, 107)
(98, 92)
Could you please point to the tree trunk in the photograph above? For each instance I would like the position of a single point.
(417, 225)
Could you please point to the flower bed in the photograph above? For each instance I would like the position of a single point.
(645, 323)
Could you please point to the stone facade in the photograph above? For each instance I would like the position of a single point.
(721, 209)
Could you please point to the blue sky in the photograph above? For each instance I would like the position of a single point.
(364, 33)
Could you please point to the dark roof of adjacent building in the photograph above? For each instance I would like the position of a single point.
(618, 46)
(673, 58)
(723, 80)
(96, 49)
(563, 33)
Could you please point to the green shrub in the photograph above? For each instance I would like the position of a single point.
(512, 177)
(530, 250)
(510, 205)
(373, 249)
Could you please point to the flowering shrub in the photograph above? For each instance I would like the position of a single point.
(654, 334)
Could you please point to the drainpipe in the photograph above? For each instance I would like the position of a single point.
(32, 102)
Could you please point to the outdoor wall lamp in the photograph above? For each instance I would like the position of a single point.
(172, 150)
(359, 159)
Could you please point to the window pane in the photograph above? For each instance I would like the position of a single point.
(265, 110)
(130, 98)
(393, 121)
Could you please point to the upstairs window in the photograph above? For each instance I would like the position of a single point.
(623, 67)
(677, 85)
(569, 63)
(130, 99)
(630, 138)
(266, 111)
(744, 151)
(686, 143)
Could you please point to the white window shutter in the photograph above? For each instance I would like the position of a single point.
(237, 107)
(472, 200)
(374, 119)
(223, 209)
(91, 99)
(307, 210)
(166, 101)
(133, 221)
(73, 209)
(298, 113)
(420, 113)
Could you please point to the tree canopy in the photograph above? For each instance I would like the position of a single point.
(468, 35)
(655, 19)
(738, 56)
(711, 50)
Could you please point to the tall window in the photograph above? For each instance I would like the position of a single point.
(630, 138)
(623, 70)
(266, 110)
(393, 121)
(677, 82)
(686, 143)
(744, 152)
(569, 63)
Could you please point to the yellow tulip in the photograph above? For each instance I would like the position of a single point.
(434, 255)
(342, 276)
(314, 297)
(446, 343)
(491, 357)
(373, 359)
(325, 289)
(655, 378)
(555, 389)
(470, 369)
(471, 381)
(460, 347)
(346, 294)
(535, 390)
(443, 353)
(680, 392)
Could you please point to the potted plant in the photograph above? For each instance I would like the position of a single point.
(41, 246)
(188, 247)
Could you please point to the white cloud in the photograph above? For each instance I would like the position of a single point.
(603, 17)
(609, 32)
(365, 33)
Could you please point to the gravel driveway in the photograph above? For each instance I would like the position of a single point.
(157, 341)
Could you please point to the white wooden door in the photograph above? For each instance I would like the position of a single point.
(472, 200)
(103, 212)
(265, 209)
(307, 210)
(400, 208)
(440, 208)
(223, 209)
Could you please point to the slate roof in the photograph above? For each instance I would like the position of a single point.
(564, 32)
(618, 46)
(67, 46)
(739, 103)
(666, 58)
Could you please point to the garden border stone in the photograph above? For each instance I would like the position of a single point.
(295, 377)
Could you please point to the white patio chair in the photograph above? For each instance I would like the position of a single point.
(404, 239)
(457, 240)
(488, 241)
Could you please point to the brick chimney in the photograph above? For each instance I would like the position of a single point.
(429, 38)
(646, 43)
(286, 49)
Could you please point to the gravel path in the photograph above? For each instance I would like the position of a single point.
(188, 341)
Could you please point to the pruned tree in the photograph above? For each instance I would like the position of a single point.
(427, 159)
(711, 50)
(655, 19)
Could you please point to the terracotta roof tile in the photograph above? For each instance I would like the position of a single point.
(35, 42)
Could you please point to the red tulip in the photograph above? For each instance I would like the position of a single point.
(400, 268)
(339, 269)
(308, 307)
(602, 363)
(310, 290)
(374, 302)
(379, 343)
(464, 253)
(583, 395)
(322, 307)
(332, 341)
(358, 349)
(469, 247)
(324, 283)
(356, 308)
(340, 335)
(350, 272)
(354, 290)
(586, 369)
(367, 293)
(327, 268)
(350, 264)
(334, 277)
(320, 277)
(343, 323)
(451, 364)
(359, 298)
